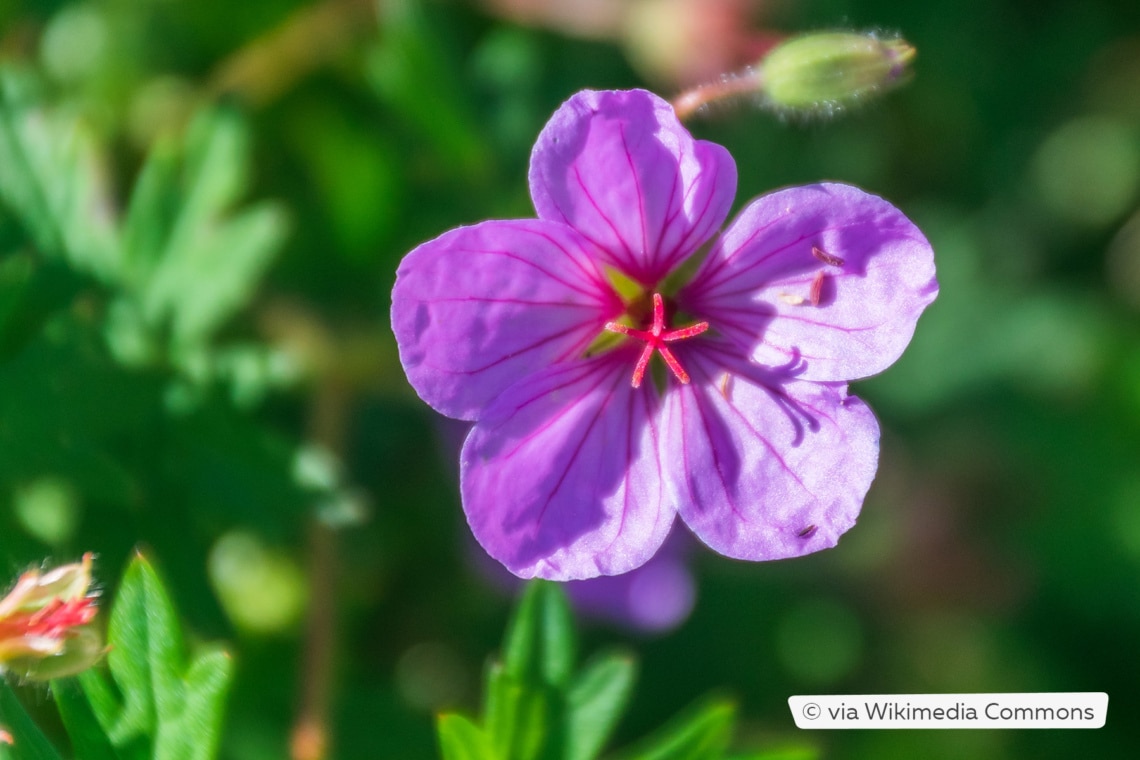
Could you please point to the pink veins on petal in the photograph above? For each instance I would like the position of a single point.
(655, 339)
(568, 470)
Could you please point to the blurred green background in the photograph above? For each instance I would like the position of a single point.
(195, 358)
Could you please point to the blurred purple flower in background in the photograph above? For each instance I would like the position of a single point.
(541, 332)
(653, 598)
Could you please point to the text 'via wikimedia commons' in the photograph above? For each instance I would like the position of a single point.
(1030, 710)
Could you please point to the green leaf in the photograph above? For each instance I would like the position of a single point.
(207, 683)
(524, 702)
(222, 274)
(521, 719)
(790, 752)
(52, 181)
(175, 709)
(700, 733)
(540, 646)
(183, 259)
(30, 743)
(460, 739)
(154, 207)
(594, 703)
(146, 645)
(191, 262)
(88, 738)
(101, 697)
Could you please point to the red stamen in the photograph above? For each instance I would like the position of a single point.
(816, 289)
(826, 257)
(655, 339)
(673, 364)
(642, 364)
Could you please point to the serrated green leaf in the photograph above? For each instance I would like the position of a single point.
(701, 732)
(594, 703)
(195, 730)
(146, 650)
(222, 275)
(191, 262)
(29, 741)
(88, 738)
(217, 162)
(541, 645)
(52, 181)
(151, 213)
(175, 710)
(460, 739)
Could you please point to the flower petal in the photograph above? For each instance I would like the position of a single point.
(479, 307)
(561, 478)
(620, 168)
(765, 469)
(843, 311)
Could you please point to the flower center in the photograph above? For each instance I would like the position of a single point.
(655, 339)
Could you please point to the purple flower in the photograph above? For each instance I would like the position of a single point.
(541, 332)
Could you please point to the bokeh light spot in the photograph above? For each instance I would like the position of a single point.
(48, 509)
(263, 590)
(1088, 171)
(819, 641)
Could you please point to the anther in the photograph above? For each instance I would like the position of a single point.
(826, 257)
(816, 291)
(807, 532)
(725, 385)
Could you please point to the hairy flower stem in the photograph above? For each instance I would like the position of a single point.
(328, 418)
(747, 82)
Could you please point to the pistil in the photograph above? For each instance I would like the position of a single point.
(655, 339)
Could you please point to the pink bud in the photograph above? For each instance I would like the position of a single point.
(44, 623)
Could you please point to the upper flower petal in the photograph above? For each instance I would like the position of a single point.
(765, 469)
(620, 168)
(826, 277)
(561, 477)
(479, 307)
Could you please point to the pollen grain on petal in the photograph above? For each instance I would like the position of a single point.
(725, 386)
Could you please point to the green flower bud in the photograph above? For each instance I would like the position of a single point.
(823, 73)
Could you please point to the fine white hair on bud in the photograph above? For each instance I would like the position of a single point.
(810, 76)
(824, 73)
